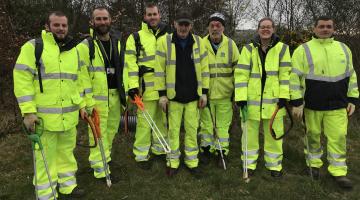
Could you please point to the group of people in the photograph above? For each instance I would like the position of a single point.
(182, 77)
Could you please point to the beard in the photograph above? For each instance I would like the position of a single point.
(102, 29)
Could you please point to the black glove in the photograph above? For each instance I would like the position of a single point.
(132, 92)
(241, 104)
(281, 103)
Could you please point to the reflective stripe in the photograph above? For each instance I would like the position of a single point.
(282, 52)
(199, 83)
(230, 52)
(147, 58)
(295, 87)
(66, 174)
(206, 143)
(88, 90)
(96, 69)
(160, 53)
(196, 60)
(239, 85)
(328, 78)
(94, 162)
(175, 154)
(205, 74)
(309, 58)
(272, 73)
(272, 155)
(203, 55)
(58, 110)
(171, 62)
(159, 74)
(149, 84)
(99, 170)
(45, 186)
(296, 71)
(100, 98)
(314, 156)
(270, 101)
(285, 64)
(68, 183)
(252, 152)
(336, 156)
(170, 85)
(142, 149)
(346, 55)
(220, 65)
(131, 52)
(191, 148)
(221, 75)
(337, 164)
(81, 94)
(59, 76)
(158, 148)
(248, 47)
(223, 139)
(273, 164)
(242, 66)
(133, 73)
(249, 162)
(254, 103)
(284, 82)
(26, 98)
(46, 197)
(255, 75)
(204, 136)
(141, 158)
(85, 42)
(194, 157)
(353, 86)
(24, 68)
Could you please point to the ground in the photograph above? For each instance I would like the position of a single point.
(16, 176)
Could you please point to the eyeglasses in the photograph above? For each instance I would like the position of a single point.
(325, 26)
(265, 27)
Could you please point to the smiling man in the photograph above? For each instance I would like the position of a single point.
(223, 56)
(323, 78)
(140, 62)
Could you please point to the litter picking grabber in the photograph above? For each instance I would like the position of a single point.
(35, 139)
(152, 124)
(272, 131)
(94, 122)
(213, 119)
(245, 141)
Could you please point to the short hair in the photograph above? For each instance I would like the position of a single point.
(55, 13)
(99, 8)
(150, 5)
(266, 19)
(324, 18)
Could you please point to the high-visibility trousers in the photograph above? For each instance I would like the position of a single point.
(58, 149)
(144, 137)
(222, 112)
(110, 114)
(191, 123)
(335, 129)
(273, 151)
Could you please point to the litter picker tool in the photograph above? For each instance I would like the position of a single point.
(272, 131)
(245, 142)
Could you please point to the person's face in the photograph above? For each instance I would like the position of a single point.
(152, 16)
(216, 29)
(266, 29)
(101, 21)
(183, 29)
(58, 26)
(324, 29)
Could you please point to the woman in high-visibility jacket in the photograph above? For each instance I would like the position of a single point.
(261, 85)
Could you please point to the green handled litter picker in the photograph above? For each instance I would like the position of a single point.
(36, 145)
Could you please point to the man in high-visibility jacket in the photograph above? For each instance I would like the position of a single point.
(140, 61)
(52, 90)
(223, 56)
(183, 78)
(106, 74)
(324, 80)
(261, 85)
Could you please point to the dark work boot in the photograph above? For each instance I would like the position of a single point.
(77, 193)
(315, 172)
(170, 172)
(205, 155)
(343, 182)
(144, 165)
(196, 172)
(276, 174)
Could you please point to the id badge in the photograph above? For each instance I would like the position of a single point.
(110, 70)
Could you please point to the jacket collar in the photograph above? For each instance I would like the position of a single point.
(323, 41)
(274, 40)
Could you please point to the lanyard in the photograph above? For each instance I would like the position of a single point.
(102, 49)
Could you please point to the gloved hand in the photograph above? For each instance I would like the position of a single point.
(350, 109)
(132, 92)
(29, 121)
(203, 101)
(241, 104)
(83, 113)
(163, 102)
(298, 111)
(281, 103)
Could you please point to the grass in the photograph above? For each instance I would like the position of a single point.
(16, 174)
